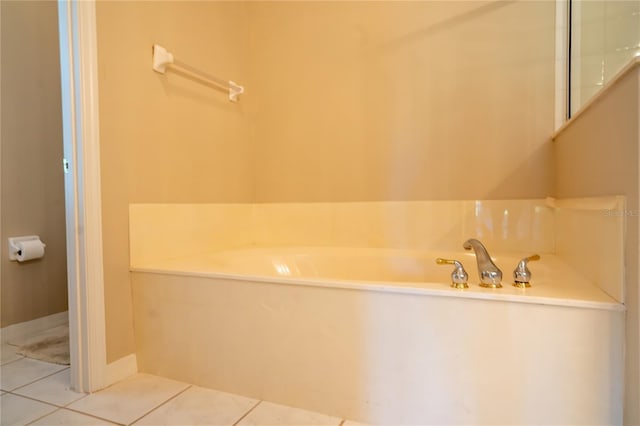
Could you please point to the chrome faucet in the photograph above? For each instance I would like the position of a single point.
(490, 274)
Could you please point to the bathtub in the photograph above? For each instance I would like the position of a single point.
(379, 336)
(378, 269)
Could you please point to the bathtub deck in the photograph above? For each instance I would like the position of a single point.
(387, 270)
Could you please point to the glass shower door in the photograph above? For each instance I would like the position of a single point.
(605, 36)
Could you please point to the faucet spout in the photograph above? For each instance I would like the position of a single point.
(490, 274)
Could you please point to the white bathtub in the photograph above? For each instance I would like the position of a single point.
(379, 335)
(404, 271)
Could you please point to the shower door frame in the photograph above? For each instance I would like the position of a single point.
(79, 79)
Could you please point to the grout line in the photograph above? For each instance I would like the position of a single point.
(42, 417)
(82, 395)
(247, 413)
(93, 416)
(13, 360)
(161, 404)
(41, 378)
(33, 399)
(48, 402)
(36, 380)
(114, 383)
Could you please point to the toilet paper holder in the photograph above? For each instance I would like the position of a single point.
(13, 245)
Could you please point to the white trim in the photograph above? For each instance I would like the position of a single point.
(78, 58)
(92, 197)
(637, 342)
(32, 327)
(634, 62)
(0, 125)
(562, 55)
(575, 79)
(121, 369)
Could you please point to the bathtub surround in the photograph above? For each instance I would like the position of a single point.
(383, 357)
(158, 232)
(504, 225)
(590, 238)
(334, 347)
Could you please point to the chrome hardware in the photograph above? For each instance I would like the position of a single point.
(459, 276)
(490, 274)
(522, 274)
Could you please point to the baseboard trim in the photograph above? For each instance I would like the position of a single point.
(32, 327)
(121, 369)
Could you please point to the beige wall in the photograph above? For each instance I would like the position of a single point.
(345, 101)
(32, 180)
(597, 154)
(165, 138)
(401, 100)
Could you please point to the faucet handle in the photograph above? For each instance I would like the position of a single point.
(522, 274)
(459, 276)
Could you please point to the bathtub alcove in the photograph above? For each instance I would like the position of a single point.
(340, 307)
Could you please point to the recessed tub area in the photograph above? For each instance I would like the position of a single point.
(340, 308)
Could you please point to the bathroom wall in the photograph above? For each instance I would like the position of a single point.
(369, 101)
(165, 138)
(31, 144)
(346, 101)
(597, 154)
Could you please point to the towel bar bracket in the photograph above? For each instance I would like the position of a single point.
(162, 58)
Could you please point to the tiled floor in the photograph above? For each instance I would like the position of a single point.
(37, 393)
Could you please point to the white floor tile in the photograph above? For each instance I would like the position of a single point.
(8, 353)
(64, 417)
(129, 399)
(16, 410)
(53, 389)
(199, 406)
(269, 414)
(23, 371)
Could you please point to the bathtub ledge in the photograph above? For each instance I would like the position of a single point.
(505, 294)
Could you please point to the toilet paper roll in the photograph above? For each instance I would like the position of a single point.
(28, 250)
